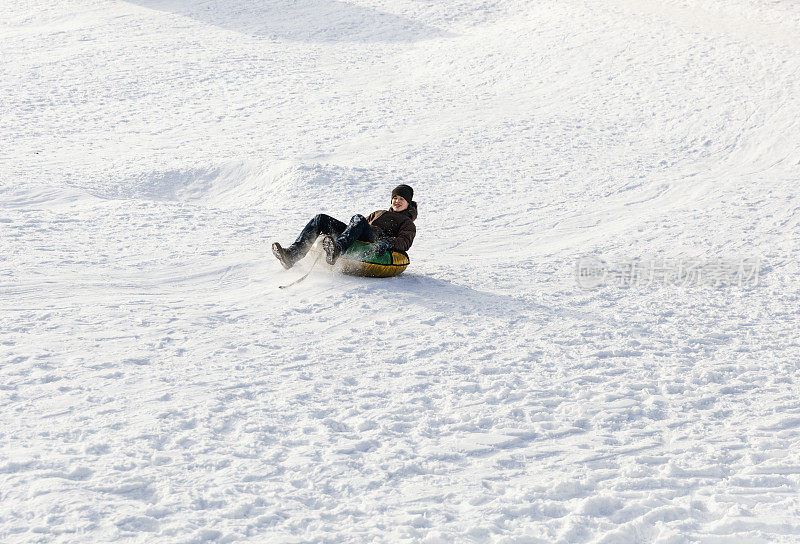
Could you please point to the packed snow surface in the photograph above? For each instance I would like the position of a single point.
(157, 386)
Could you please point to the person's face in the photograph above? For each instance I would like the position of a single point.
(399, 203)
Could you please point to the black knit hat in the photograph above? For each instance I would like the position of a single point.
(405, 191)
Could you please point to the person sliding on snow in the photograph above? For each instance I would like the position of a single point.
(389, 229)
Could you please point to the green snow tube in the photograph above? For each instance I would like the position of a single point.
(359, 260)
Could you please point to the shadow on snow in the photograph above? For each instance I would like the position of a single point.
(300, 20)
(454, 300)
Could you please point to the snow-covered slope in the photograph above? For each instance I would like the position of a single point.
(156, 386)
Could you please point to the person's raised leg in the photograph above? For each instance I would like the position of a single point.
(358, 229)
(320, 224)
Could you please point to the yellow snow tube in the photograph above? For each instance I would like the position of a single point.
(359, 260)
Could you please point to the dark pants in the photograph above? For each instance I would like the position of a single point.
(344, 235)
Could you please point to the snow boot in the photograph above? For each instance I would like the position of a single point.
(331, 249)
(282, 255)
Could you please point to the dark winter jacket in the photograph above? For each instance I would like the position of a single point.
(398, 227)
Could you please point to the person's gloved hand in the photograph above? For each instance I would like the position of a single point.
(381, 246)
